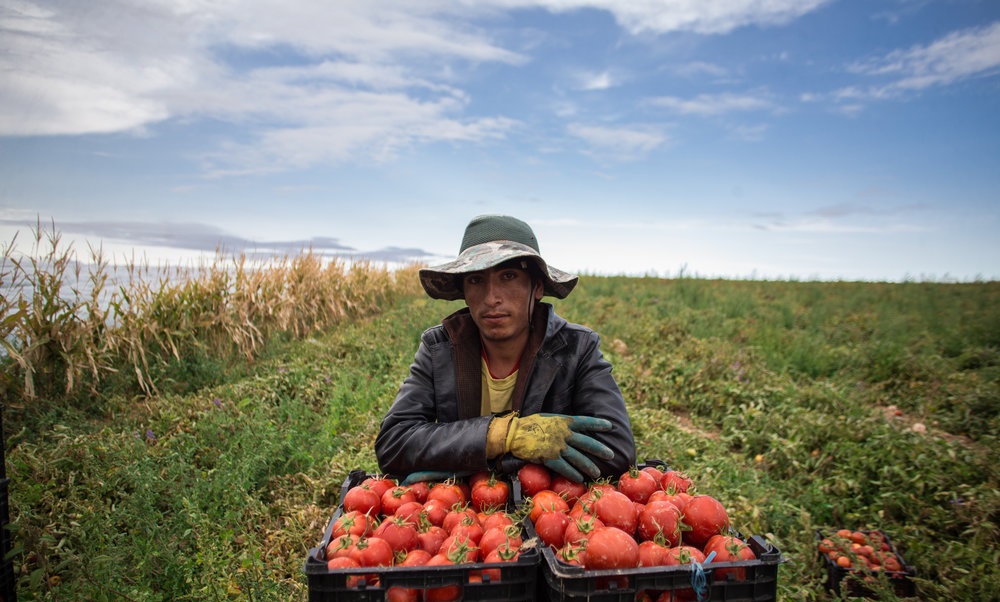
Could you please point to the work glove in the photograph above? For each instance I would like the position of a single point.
(553, 440)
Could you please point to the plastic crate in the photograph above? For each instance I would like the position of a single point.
(562, 581)
(851, 582)
(518, 579)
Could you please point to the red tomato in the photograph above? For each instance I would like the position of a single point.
(675, 482)
(637, 485)
(551, 527)
(572, 554)
(534, 478)
(353, 522)
(342, 562)
(431, 538)
(728, 548)
(460, 549)
(660, 519)
(457, 515)
(372, 551)
(417, 557)
(707, 517)
(420, 490)
(652, 553)
(494, 537)
(498, 555)
(496, 519)
(469, 527)
(363, 499)
(378, 484)
(448, 492)
(654, 471)
(547, 500)
(342, 545)
(400, 533)
(446, 593)
(410, 511)
(615, 509)
(435, 511)
(611, 548)
(684, 555)
(395, 497)
(570, 490)
(579, 529)
(397, 593)
(490, 494)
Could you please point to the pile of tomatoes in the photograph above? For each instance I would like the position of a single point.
(861, 550)
(454, 522)
(648, 518)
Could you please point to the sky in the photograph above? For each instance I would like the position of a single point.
(765, 139)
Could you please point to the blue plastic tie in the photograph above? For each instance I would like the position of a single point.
(698, 580)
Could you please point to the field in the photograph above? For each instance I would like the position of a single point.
(801, 405)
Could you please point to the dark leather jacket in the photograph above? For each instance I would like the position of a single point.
(435, 422)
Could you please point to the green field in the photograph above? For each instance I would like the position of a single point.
(800, 405)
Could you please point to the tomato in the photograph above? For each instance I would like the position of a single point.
(637, 485)
(395, 497)
(660, 519)
(495, 556)
(457, 515)
(470, 528)
(373, 551)
(478, 477)
(707, 517)
(420, 490)
(547, 500)
(615, 509)
(410, 511)
(378, 484)
(435, 511)
(611, 548)
(460, 549)
(342, 562)
(551, 527)
(363, 499)
(494, 537)
(654, 471)
(431, 538)
(342, 545)
(570, 490)
(448, 492)
(496, 519)
(729, 548)
(652, 553)
(490, 494)
(417, 557)
(675, 482)
(579, 529)
(572, 554)
(684, 555)
(399, 533)
(446, 593)
(534, 478)
(353, 522)
(397, 593)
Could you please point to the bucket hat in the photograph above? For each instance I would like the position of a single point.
(490, 240)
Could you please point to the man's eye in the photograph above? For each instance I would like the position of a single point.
(473, 279)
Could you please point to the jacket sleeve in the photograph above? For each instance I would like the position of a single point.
(421, 431)
(596, 393)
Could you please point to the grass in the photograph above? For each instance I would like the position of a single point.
(801, 405)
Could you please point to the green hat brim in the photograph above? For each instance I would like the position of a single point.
(445, 282)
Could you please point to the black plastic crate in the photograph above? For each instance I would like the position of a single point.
(568, 582)
(851, 581)
(518, 579)
(562, 581)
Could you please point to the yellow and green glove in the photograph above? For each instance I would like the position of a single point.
(554, 440)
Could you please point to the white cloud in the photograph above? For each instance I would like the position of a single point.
(712, 104)
(622, 142)
(959, 56)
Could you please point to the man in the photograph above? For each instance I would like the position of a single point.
(505, 380)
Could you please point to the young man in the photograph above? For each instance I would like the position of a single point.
(505, 380)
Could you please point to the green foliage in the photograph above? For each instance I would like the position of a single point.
(800, 405)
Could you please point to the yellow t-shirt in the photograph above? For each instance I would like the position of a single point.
(498, 393)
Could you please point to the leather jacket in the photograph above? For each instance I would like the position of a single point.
(435, 422)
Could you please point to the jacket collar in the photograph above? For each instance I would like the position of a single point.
(464, 335)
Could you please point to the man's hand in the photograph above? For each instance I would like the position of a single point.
(554, 440)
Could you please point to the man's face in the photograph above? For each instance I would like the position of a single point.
(499, 300)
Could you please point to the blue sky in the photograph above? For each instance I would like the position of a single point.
(780, 139)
